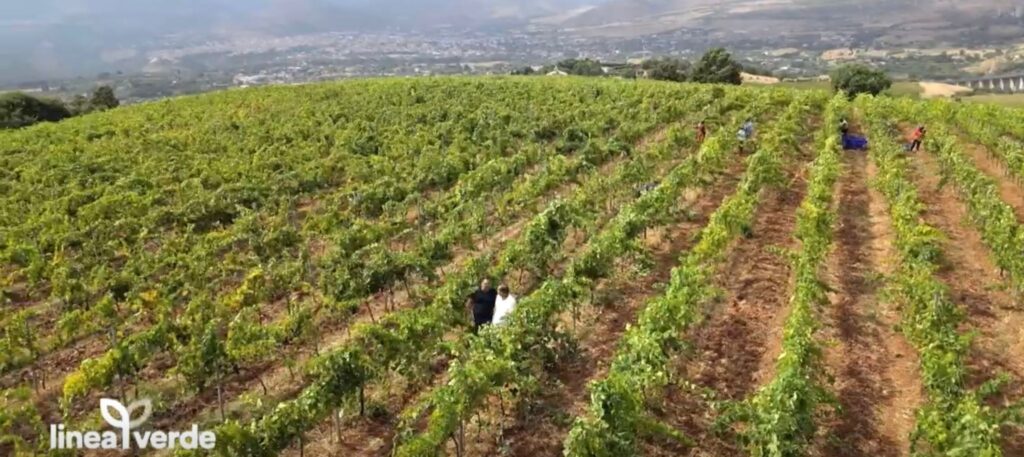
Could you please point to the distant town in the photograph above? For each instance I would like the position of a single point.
(178, 67)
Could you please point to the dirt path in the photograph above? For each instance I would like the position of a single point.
(937, 89)
(735, 347)
(973, 279)
(541, 430)
(878, 385)
(55, 366)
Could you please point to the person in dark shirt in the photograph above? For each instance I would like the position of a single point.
(645, 188)
(482, 302)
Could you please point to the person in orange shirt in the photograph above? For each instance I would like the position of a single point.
(915, 139)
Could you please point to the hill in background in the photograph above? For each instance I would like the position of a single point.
(200, 45)
(884, 22)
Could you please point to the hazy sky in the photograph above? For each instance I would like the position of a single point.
(60, 38)
(46, 10)
(22, 20)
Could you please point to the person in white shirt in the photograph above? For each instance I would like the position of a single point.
(503, 305)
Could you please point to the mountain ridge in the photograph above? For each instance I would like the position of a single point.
(769, 17)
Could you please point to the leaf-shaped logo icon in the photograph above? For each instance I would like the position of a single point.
(147, 410)
(115, 413)
(120, 417)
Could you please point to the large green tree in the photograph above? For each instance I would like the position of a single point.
(20, 110)
(860, 79)
(581, 67)
(718, 67)
(79, 105)
(103, 98)
(667, 69)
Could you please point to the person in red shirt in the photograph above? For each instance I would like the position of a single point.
(915, 138)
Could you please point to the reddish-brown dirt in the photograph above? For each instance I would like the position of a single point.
(55, 365)
(974, 283)
(876, 371)
(739, 339)
(48, 372)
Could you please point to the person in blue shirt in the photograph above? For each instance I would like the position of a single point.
(748, 128)
(741, 137)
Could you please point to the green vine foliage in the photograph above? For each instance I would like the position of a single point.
(357, 263)
(994, 218)
(20, 418)
(782, 417)
(507, 354)
(954, 420)
(402, 340)
(999, 130)
(617, 416)
(207, 232)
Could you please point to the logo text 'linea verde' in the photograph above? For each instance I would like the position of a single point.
(119, 417)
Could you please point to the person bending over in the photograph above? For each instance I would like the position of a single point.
(916, 138)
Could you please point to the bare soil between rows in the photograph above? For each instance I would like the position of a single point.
(974, 282)
(1010, 191)
(876, 370)
(541, 429)
(734, 349)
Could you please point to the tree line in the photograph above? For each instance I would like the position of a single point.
(715, 66)
(18, 109)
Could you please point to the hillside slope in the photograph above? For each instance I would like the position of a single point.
(892, 20)
(288, 267)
